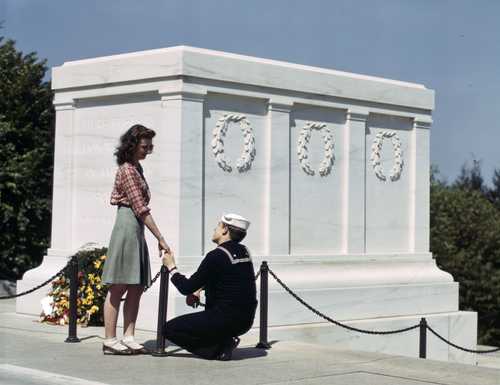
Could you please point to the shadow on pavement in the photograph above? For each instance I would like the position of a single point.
(239, 354)
(89, 337)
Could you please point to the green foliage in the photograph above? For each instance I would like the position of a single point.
(471, 178)
(26, 157)
(494, 191)
(465, 240)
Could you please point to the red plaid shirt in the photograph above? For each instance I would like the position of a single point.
(131, 190)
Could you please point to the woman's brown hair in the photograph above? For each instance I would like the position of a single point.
(129, 141)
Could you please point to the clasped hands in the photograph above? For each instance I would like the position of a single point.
(168, 259)
(162, 245)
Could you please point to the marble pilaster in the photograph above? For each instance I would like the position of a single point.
(62, 198)
(182, 185)
(279, 177)
(420, 186)
(354, 196)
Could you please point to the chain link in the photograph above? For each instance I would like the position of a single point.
(153, 280)
(146, 288)
(460, 347)
(60, 272)
(318, 313)
(257, 275)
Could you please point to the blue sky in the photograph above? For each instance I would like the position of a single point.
(451, 46)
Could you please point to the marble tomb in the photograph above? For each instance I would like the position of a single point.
(332, 168)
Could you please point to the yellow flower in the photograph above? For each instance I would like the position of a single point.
(97, 264)
(102, 258)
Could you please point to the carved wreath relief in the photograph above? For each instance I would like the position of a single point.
(303, 152)
(244, 162)
(397, 168)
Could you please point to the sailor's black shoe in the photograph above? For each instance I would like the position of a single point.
(227, 352)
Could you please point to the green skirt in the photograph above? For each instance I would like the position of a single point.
(127, 261)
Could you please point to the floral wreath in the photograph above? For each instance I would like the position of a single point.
(397, 168)
(303, 153)
(91, 291)
(244, 162)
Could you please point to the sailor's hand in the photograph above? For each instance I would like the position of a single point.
(193, 300)
(168, 260)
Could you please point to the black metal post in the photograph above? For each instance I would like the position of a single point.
(162, 314)
(264, 274)
(423, 338)
(73, 294)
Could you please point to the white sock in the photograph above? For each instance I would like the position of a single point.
(130, 342)
(110, 341)
(114, 343)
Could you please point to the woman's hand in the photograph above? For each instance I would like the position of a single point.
(162, 245)
(168, 260)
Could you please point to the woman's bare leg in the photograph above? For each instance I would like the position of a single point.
(131, 309)
(111, 309)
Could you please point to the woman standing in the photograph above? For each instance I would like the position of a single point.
(127, 269)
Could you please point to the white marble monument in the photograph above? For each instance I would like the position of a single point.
(332, 168)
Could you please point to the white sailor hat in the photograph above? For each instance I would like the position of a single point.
(235, 220)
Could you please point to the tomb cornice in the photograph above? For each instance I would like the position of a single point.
(280, 105)
(64, 105)
(180, 90)
(356, 115)
(422, 123)
(163, 64)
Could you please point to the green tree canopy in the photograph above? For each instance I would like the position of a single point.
(465, 240)
(26, 157)
(471, 178)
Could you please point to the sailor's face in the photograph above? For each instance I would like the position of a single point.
(218, 232)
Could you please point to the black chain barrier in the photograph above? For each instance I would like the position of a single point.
(153, 280)
(146, 288)
(317, 312)
(460, 347)
(160, 351)
(423, 325)
(60, 272)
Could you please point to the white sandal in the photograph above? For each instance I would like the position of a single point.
(134, 347)
(117, 348)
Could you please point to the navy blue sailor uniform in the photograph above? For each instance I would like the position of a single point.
(228, 278)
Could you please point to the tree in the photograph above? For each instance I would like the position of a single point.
(494, 191)
(471, 178)
(26, 158)
(465, 240)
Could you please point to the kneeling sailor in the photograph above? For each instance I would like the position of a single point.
(228, 278)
